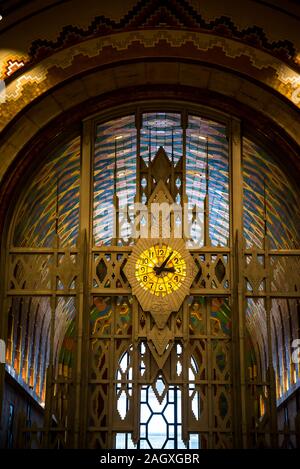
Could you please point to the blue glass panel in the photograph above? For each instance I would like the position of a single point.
(282, 202)
(207, 136)
(161, 129)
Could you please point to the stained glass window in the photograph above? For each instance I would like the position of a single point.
(161, 130)
(115, 154)
(127, 165)
(267, 188)
(53, 193)
(160, 408)
(207, 156)
(271, 209)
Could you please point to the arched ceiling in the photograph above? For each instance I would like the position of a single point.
(55, 55)
(62, 62)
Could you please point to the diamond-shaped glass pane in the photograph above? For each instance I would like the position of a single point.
(157, 429)
(101, 270)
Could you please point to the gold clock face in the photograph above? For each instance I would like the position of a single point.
(160, 270)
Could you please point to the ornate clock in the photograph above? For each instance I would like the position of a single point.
(160, 269)
(160, 272)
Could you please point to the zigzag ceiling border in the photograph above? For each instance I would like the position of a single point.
(141, 45)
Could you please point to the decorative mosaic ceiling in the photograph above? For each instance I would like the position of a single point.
(168, 13)
(151, 29)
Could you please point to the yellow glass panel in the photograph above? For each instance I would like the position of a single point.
(160, 270)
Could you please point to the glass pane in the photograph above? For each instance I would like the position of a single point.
(115, 145)
(262, 174)
(207, 143)
(53, 192)
(161, 129)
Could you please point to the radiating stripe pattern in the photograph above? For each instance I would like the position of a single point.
(207, 144)
(161, 130)
(115, 145)
(50, 205)
(263, 175)
(27, 356)
(269, 193)
(54, 191)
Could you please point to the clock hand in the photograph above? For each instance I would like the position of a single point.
(165, 269)
(158, 270)
(168, 269)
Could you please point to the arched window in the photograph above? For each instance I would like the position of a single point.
(79, 340)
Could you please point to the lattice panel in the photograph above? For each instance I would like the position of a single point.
(108, 270)
(61, 403)
(123, 403)
(285, 274)
(198, 407)
(148, 369)
(221, 360)
(67, 271)
(222, 440)
(97, 440)
(213, 272)
(99, 360)
(222, 411)
(29, 271)
(203, 440)
(212, 276)
(198, 360)
(124, 411)
(255, 273)
(98, 399)
(37, 272)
